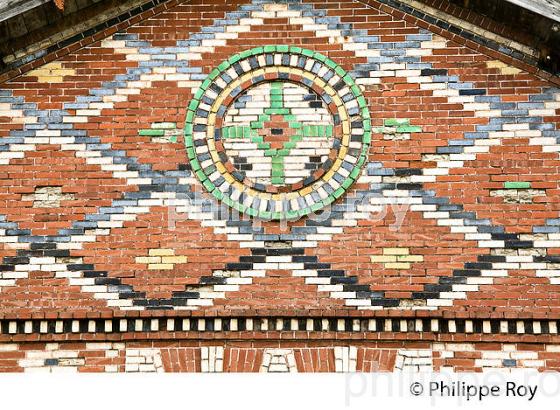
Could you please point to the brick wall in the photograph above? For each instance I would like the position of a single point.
(285, 170)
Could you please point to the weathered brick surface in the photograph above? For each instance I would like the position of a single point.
(451, 207)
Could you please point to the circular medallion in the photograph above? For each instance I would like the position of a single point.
(278, 132)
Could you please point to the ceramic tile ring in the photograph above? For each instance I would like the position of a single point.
(278, 132)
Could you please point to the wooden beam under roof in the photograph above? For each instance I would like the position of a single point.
(11, 8)
(546, 8)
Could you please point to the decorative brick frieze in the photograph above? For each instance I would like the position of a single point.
(253, 325)
(149, 357)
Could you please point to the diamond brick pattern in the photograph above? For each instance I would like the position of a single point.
(356, 178)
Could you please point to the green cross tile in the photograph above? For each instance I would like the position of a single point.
(276, 107)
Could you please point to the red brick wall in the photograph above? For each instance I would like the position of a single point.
(464, 149)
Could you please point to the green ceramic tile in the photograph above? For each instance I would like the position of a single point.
(409, 129)
(355, 173)
(347, 182)
(164, 125)
(392, 122)
(265, 215)
(190, 116)
(338, 193)
(291, 214)
(318, 56)
(193, 105)
(245, 54)
(340, 71)
(214, 74)
(234, 59)
(517, 185)
(307, 52)
(201, 175)
(151, 133)
(224, 66)
(208, 185)
(316, 207)
(330, 63)
(361, 101)
(295, 50)
(276, 111)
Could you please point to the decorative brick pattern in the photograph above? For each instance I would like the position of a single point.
(67, 358)
(310, 360)
(397, 129)
(294, 135)
(48, 197)
(161, 132)
(396, 258)
(161, 259)
(52, 73)
(212, 359)
(447, 158)
(275, 133)
(502, 67)
(177, 360)
(278, 361)
(345, 359)
(143, 361)
(227, 184)
(507, 358)
(414, 360)
(518, 193)
(243, 360)
(146, 357)
(375, 360)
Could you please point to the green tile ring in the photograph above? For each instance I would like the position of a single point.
(277, 132)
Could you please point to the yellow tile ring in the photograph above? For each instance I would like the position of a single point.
(278, 132)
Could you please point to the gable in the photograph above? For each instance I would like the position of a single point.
(453, 208)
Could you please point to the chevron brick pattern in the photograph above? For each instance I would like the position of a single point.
(297, 168)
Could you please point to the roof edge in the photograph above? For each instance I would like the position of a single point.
(14, 8)
(413, 11)
(539, 7)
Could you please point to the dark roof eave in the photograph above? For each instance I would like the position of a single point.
(12, 8)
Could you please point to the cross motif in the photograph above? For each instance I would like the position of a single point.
(277, 132)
